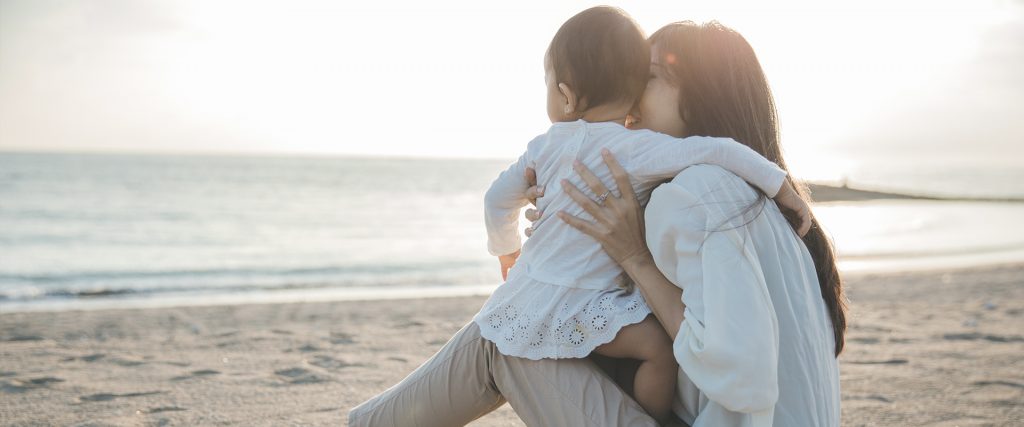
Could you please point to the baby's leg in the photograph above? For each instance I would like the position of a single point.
(655, 383)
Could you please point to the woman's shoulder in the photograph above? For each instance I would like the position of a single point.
(703, 193)
(713, 183)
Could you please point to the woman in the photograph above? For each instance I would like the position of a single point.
(763, 314)
(760, 316)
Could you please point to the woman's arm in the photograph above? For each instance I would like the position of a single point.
(619, 227)
(664, 298)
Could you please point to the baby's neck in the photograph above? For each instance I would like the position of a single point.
(607, 113)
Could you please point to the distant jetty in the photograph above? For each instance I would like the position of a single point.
(832, 193)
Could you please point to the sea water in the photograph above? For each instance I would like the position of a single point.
(101, 230)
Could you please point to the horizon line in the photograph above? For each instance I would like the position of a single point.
(228, 153)
(831, 188)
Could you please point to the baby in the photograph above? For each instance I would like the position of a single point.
(564, 297)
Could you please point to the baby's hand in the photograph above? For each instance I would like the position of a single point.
(507, 261)
(790, 200)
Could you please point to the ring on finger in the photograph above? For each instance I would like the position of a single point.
(600, 199)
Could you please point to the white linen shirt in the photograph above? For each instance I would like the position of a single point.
(756, 345)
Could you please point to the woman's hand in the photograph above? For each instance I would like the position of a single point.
(618, 221)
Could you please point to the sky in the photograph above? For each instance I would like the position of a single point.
(903, 79)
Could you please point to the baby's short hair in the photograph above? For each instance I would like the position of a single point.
(603, 55)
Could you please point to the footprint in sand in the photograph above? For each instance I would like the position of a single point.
(16, 338)
(87, 358)
(999, 383)
(106, 397)
(196, 374)
(127, 362)
(330, 363)
(879, 362)
(308, 348)
(330, 409)
(875, 397)
(300, 376)
(340, 338)
(410, 324)
(872, 328)
(160, 409)
(974, 336)
(21, 386)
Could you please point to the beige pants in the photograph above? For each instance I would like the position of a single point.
(469, 378)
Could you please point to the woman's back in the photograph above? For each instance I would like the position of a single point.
(748, 283)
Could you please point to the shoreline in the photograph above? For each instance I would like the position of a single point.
(854, 269)
(940, 347)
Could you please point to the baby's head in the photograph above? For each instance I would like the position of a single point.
(599, 58)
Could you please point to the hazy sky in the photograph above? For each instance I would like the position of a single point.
(465, 78)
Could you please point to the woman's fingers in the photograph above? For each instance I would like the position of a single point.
(581, 199)
(586, 227)
(592, 181)
(619, 174)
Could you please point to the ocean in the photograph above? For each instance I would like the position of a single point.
(81, 231)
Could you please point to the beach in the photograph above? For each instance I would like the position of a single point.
(926, 348)
(203, 222)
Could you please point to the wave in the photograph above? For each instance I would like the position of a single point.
(114, 284)
(248, 271)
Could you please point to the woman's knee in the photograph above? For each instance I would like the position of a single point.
(428, 392)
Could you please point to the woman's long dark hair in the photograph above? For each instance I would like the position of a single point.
(719, 75)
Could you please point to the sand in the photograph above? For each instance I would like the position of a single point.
(937, 348)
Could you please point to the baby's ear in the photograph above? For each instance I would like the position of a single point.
(571, 101)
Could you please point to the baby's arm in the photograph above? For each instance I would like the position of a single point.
(502, 203)
(660, 156)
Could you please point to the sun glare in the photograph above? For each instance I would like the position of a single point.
(456, 79)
